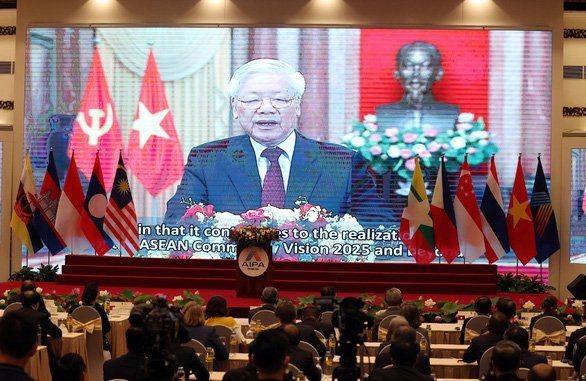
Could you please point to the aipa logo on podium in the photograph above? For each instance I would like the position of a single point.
(253, 261)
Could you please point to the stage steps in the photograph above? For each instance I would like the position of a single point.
(292, 276)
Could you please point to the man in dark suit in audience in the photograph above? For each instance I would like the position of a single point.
(269, 299)
(29, 285)
(394, 298)
(482, 306)
(130, 366)
(301, 358)
(270, 354)
(30, 303)
(311, 316)
(404, 333)
(18, 343)
(328, 292)
(574, 337)
(404, 355)
(506, 361)
(286, 313)
(187, 358)
(497, 325)
(506, 306)
(519, 336)
(541, 372)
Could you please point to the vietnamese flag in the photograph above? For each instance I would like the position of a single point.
(96, 126)
(520, 220)
(154, 150)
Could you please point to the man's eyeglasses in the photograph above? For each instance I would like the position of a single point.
(253, 104)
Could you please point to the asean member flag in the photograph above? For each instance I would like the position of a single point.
(468, 217)
(94, 211)
(154, 150)
(494, 220)
(24, 209)
(520, 220)
(68, 219)
(96, 125)
(416, 224)
(444, 220)
(547, 240)
(46, 213)
(120, 222)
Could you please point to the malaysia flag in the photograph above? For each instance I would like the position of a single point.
(444, 218)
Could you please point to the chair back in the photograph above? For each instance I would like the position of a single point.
(583, 368)
(474, 327)
(266, 317)
(549, 330)
(383, 328)
(388, 366)
(13, 307)
(311, 349)
(224, 331)
(484, 364)
(199, 348)
(94, 342)
(326, 317)
(323, 338)
(420, 336)
(294, 370)
(386, 349)
(580, 340)
(522, 373)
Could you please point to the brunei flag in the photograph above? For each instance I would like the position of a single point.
(416, 224)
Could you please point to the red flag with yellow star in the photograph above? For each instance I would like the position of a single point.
(520, 220)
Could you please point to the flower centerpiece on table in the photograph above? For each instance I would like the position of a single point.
(251, 235)
(395, 149)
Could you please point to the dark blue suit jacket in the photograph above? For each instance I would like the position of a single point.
(224, 173)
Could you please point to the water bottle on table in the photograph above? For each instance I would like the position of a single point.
(210, 359)
(233, 343)
(180, 374)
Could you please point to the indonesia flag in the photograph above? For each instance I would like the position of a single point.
(444, 219)
(68, 219)
(120, 223)
(94, 211)
(468, 217)
(494, 220)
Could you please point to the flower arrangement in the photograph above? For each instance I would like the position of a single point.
(251, 235)
(395, 149)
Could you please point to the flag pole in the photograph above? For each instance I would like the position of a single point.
(517, 266)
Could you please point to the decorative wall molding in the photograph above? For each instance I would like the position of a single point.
(6, 105)
(7, 30)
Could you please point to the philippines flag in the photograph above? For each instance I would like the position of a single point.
(120, 223)
(494, 220)
(46, 213)
(94, 211)
(444, 219)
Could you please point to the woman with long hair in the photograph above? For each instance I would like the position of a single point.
(194, 323)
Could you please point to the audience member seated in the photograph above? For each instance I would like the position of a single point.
(482, 306)
(410, 311)
(269, 298)
(404, 332)
(574, 337)
(187, 358)
(301, 358)
(130, 366)
(541, 372)
(30, 303)
(29, 285)
(497, 325)
(520, 336)
(311, 316)
(89, 299)
(71, 367)
(217, 312)
(328, 291)
(394, 298)
(270, 354)
(397, 322)
(245, 373)
(506, 306)
(18, 343)
(194, 323)
(579, 354)
(404, 354)
(287, 314)
(549, 306)
(506, 361)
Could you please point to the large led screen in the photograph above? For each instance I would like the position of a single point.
(348, 127)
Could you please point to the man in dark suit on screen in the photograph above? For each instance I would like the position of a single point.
(273, 163)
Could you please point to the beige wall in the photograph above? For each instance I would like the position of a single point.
(514, 14)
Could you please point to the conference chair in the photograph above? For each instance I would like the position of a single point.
(293, 370)
(386, 349)
(420, 336)
(199, 348)
(484, 363)
(93, 341)
(580, 340)
(224, 331)
(266, 317)
(323, 338)
(549, 330)
(311, 349)
(383, 328)
(326, 317)
(583, 369)
(474, 327)
(388, 366)
(13, 307)
(522, 373)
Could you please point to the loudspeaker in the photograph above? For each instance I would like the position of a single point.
(578, 287)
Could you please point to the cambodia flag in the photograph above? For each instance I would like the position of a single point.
(46, 213)
(444, 219)
(94, 211)
(154, 150)
(494, 220)
(96, 126)
(547, 240)
(520, 220)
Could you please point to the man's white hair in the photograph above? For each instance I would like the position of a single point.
(265, 65)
